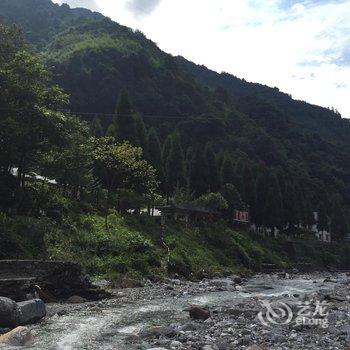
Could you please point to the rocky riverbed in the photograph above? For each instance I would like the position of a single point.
(264, 312)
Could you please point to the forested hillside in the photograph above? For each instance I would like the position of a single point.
(213, 139)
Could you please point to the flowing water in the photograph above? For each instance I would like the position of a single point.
(108, 324)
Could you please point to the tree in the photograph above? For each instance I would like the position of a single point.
(96, 127)
(273, 207)
(154, 154)
(232, 197)
(166, 148)
(121, 167)
(249, 187)
(199, 175)
(175, 166)
(213, 201)
(214, 181)
(30, 121)
(71, 163)
(227, 170)
(323, 219)
(141, 134)
(339, 223)
(126, 124)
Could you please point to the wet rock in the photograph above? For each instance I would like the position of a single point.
(199, 313)
(10, 313)
(76, 299)
(31, 311)
(19, 336)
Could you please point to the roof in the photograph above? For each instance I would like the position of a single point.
(188, 209)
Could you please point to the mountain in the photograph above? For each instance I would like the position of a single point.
(306, 147)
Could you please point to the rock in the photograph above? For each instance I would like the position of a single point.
(207, 347)
(189, 327)
(19, 336)
(199, 313)
(156, 332)
(254, 347)
(31, 311)
(76, 299)
(175, 344)
(45, 296)
(4, 330)
(237, 280)
(10, 313)
(157, 349)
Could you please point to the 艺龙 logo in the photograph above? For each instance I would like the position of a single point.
(276, 313)
(279, 313)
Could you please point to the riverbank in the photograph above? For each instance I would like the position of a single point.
(154, 316)
(135, 247)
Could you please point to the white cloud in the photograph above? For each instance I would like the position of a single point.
(299, 46)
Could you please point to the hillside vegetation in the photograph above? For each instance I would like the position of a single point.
(118, 124)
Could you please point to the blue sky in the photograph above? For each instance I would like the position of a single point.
(302, 47)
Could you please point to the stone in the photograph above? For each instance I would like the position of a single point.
(10, 313)
(157, 349)
(199, 313)
(175, 344)
(237, 280)
(76, 299)
(19, 336)
(254, 347)
(156, 332)
(4, 330)
(31, 311)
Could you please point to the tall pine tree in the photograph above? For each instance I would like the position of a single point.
(214, 181)
(175, 166)
(126, 124)
(227, 170)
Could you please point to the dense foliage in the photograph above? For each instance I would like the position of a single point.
(117, 124)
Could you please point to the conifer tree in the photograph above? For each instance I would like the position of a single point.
(199, 175)
(96, 127)
(339, 224)
(166, 148)
(126, 124)
(227, 170)
(273, 207)
(154, 154)
(323, 219)
(212, 169)
(175, 165)
(141, 131)
(249, 187)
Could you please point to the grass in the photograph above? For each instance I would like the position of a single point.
(132, 247)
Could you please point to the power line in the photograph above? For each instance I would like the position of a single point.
(113, 115)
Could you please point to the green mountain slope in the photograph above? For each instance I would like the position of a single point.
(93, 58)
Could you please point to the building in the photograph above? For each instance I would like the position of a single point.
(241, 217)
(321, 235)
(187, 215)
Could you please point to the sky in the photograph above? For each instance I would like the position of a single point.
(300, 46)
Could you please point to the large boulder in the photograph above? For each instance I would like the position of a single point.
(19, 336)
(10, 313)
(31, 311)
(14, 314)
(199, 313)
